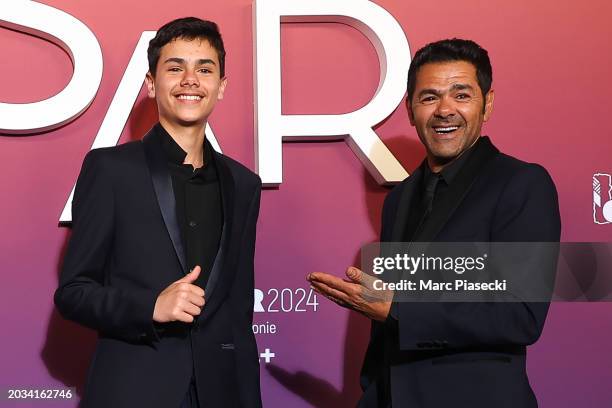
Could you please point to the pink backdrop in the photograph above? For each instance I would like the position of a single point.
(551, 64)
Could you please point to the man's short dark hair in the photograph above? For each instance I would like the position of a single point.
(454, 49)
(186, 28)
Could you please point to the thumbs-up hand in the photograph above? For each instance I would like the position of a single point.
(181, 300)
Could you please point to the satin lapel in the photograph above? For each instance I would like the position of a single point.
(226, 183)
(162, 184)
(483, 153)
(403, 206)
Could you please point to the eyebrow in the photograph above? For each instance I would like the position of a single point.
(460, 87)
(202, 61)
(454, 87)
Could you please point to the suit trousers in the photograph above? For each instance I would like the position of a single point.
(191, 397)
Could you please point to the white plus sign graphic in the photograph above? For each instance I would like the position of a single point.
(267, 355)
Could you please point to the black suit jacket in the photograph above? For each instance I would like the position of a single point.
(465, 354)
(125, 249)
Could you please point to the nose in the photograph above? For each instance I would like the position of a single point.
(445, 108)
(190, 78)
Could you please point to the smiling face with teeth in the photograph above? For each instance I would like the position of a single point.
(187, 83)
(448, 110)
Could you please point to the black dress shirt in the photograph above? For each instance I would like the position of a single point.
(198, 206)
(432, 188)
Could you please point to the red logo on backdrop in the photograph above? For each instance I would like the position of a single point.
(602, 198)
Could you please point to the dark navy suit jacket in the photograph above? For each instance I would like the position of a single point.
(465, 354)
(125, 249)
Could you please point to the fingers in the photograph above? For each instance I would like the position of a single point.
(180, 301)
(356, 275)
(196, 300)
(191, 302)
(187, 307)
(333, 294)
(190, 288)
(191, 309)
(186, 282)
(317, 276)
(368, 294)
(184, 317)
(192, 275)
(357, 293)
(334, 288)
(331, 281)
(190, 297)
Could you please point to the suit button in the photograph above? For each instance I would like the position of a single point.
(192, 224)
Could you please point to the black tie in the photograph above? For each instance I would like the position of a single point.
(430, 192)
(426, 203)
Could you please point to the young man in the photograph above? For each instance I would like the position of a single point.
(453, 354)
(160, 261)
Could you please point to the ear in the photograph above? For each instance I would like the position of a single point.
(150, 82)
(222, 88)
(410, 113)
(488, 109)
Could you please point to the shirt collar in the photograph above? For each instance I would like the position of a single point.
(450, 171)
(174, 153)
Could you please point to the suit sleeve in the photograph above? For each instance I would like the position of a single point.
(242, 299)
(84, 294)
(527, 211)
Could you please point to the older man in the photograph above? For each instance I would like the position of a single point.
(425, 354)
